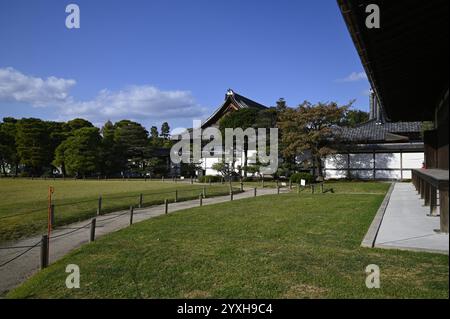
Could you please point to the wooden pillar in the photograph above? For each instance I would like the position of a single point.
(443, 203)
(433, 201)
(422, 189)
(427, 194)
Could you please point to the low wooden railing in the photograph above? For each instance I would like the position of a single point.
(428, 182)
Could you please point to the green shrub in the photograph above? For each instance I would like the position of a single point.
(296, 177)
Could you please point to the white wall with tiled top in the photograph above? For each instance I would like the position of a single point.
(364, 165)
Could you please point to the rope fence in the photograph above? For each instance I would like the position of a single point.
(173, 196)
(29, 248)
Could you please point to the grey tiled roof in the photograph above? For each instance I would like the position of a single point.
(238, 100)
(244, 102)
(372, 131)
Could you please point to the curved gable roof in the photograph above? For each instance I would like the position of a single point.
(235, 99)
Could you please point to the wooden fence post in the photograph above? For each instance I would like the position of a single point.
(166, 206)
(131, 215)
(99, 207)
(176, 196)
(52, 216)
(200, 200)
(254, 191)
(93, 222)
(44, 251)
(140, 200)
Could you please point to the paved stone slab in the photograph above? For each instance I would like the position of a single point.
(406, 225)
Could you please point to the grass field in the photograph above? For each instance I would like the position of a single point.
(23, 202)
(277, 246)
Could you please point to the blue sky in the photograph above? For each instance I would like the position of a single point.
(172, 60)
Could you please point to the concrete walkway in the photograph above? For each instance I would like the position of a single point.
(66, 238)
(405, 224)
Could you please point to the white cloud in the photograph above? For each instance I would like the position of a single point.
(354, 77)
(139, 103)
(18, 87)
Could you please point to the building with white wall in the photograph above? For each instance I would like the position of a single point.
(377, 149)
(233, 102)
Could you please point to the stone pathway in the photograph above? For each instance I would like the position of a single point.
(406, 224)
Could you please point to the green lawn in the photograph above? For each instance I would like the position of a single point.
(277, 246)
(23, 202)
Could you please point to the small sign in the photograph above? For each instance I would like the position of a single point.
(181, 177)
(303, 182)
(283, 184)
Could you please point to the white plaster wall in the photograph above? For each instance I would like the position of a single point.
(407, 174)
(387, 165)
(413, 160)
(387, 160)
(208, 162)
(335, 174)
(362, 174)
(388, 174)
(363, 160)
(336, 161)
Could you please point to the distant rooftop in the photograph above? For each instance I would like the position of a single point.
(239, 101)
(374, 131)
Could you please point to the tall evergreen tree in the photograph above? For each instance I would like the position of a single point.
(133, 144)
(80, 152)
(165, 130)
(8, 149)
(34, 145)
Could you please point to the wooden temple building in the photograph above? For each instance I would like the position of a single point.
(407, 61)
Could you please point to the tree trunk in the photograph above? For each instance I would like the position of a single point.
(3, 168)
(245, 162)
(319, 166)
